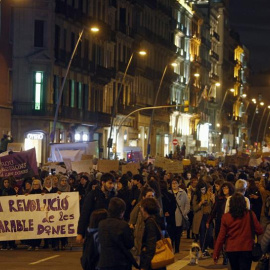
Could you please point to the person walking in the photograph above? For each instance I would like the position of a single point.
(236, 231)
(115, 239)
(150, 210)
(182, 209)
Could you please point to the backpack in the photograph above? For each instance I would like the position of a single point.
(90, 254)
(267, 207)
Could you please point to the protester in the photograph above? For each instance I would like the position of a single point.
(150, 210)
(202, 205)
(236, 231)
(4, 142)
(90, 256)
(136, 220)
(7, 190)
(95, 199)
(115, 239)
(181, 211)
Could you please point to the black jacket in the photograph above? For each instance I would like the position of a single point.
(115, 239)
(96, 199)
(150, 236)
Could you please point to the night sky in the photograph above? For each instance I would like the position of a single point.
(251, 19)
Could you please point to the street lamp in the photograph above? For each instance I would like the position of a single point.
(266, 124)
(224, 98)
(252, 121)
(141, 109)
(153, 112)
(257, 139)
(115, 104)
(93, 29)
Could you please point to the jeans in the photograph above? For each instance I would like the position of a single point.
(240, 260)
(204, 233)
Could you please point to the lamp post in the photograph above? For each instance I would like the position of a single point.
(115, 104)
(266, 124)
(142, 109)
(258, 133)
(223, 101)
(52, 135)
(252, 121)
(153, 112)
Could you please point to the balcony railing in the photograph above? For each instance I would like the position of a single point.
(216, 36)
(214, 55)
(65, 113)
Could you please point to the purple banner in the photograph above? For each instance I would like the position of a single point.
(19, 165)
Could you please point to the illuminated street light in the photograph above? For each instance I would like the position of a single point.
(93, 29)
(261, 103)
(115, 104)
(197, 75)
(217, 84)
(232, 90)
(244, 95)
(153, 112)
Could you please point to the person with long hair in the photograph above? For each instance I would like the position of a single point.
(181, 211)
(150, 210)
(202, 206)
(236, 231)
(226, 190)
(90, 256)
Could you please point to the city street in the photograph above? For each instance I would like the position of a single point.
(69, 259)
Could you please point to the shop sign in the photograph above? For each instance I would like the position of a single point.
(35, 136)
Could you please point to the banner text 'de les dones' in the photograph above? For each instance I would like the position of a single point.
(39, 216)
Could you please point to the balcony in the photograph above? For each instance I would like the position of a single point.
(214, 77)
(180, 27)
(65, 113)
(214, 55)
(215, 35)
(100, 74)
(180, 52)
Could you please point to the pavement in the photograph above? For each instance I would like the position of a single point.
(21, 259)
(182, 259)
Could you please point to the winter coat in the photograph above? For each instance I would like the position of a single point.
(136, 219)
(265, 242)
(94, 200)
(90, 254)
(116, 240)
(169, 206)
(183, 203)
(150, 236)
(198, 214)
(236, 233)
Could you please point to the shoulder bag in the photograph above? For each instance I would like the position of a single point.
(164, 251)
(256, 248)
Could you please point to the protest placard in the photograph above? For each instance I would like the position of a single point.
(19, 165)
(253, 162)
(39, 216)
(132, 167)
(87, 157)
(82, 166)
(105, 165)
(174, 167)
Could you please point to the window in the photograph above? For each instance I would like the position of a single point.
(38, 88)
(72, 94)
(79, 95)
(39, 33)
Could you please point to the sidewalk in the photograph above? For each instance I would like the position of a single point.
(182, 259)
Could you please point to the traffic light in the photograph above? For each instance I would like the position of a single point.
(129, 157)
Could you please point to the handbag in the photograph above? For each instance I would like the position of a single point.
(263, 263)
(256, 248)
(164, 252)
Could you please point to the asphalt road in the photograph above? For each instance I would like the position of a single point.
(69, 259)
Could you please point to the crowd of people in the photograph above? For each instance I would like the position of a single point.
(121, 215)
